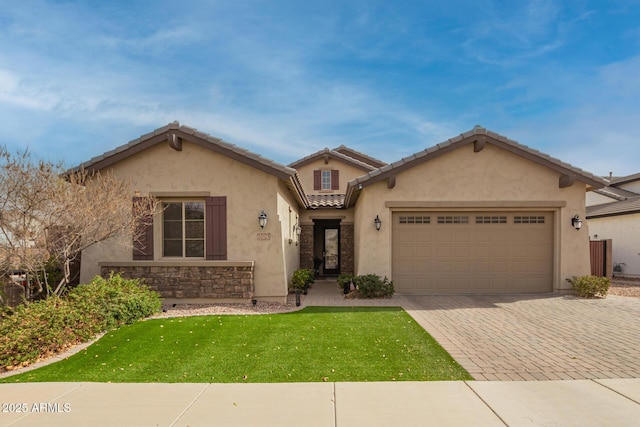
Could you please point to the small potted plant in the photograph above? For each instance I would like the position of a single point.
(301, 279)
(344, 282)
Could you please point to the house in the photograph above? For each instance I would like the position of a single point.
(613, 212)
(478, 213)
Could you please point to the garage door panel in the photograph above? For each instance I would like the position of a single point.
(482, 266)
(405, 252)
(407, 267)
(473, 252)
(461, 236)
(481, 252)
(423, 235)
(462, 252)
(520, 252)
(421, 251)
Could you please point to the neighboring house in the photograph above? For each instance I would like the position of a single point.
(478, 213)
(613, 212)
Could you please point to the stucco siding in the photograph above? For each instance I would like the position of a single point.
(347, 173)
(631, 186)
(493, 179)
(624, 231)
(195, 172)
(288, 216)
(593, 199)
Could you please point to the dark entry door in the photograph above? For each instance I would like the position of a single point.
(331, 252)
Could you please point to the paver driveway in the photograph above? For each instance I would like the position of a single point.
(523, 337)
(534, 337)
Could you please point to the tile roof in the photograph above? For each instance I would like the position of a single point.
(615, 193)
(624, 207)
(359, 156)
(478, 133)
(326, 200)
(174, 129)
(200, 138)
(334, 155)
(625, 179)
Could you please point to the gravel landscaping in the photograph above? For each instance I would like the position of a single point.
(625, 288)
(262, 307)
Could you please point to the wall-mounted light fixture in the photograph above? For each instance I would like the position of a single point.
(298, 230)
(262, 219)
(576, 222)
(377, 222)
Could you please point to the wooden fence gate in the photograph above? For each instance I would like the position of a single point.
(601, 263)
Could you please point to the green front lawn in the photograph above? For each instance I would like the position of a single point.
(314, 344)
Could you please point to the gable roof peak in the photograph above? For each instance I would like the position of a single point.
(365, 158)
(332, 154)
(470, 137)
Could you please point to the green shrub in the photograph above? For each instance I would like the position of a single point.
(590, 286)
(115, 301)
(301, 278)
(41, 329)
(371, 286)
(47, 327)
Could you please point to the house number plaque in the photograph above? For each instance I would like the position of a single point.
(264, 236)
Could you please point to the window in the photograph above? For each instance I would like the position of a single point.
(183, 229)
(326, 180)
(453, 220)
(183, 233)
(491, 220)
(528, 219)
(418, 219)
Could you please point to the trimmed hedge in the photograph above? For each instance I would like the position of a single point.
(47, 327)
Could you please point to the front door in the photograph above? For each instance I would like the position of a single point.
(331, 252)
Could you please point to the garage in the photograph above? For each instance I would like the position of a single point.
(472, 252)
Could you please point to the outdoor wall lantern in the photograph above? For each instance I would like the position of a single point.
(576, 222)
(262, 219)
(298, 230)
(377, 222)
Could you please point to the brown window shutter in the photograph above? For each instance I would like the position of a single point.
(216, 224)
(317, 180)
(335, 181)
(143, 245)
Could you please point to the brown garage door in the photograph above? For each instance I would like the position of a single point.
(472, 252)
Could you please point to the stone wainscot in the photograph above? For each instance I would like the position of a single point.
(182, 280)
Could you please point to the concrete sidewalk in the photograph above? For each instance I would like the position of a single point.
(455, 403)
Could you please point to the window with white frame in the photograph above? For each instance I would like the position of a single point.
(326, 180)
(183, 229)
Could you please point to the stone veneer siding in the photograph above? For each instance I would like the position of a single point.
(347, 250)
(306, 246)
(190, 280)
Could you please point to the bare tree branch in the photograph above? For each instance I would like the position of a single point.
(46, 212)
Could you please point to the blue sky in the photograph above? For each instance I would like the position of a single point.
(288, 78)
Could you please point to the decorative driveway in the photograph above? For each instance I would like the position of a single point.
(525, 337)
